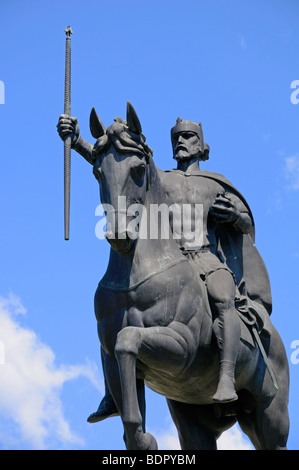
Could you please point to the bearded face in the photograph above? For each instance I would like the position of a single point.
(186, 145)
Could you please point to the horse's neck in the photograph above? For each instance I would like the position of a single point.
(151, 254)
(155, 247)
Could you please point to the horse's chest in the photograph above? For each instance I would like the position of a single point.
(157, 313)
(153, 303)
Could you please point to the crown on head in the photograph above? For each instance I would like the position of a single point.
(187, 126)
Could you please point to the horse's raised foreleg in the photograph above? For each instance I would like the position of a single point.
(160, 348)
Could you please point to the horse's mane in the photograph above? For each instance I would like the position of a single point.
(123, 139)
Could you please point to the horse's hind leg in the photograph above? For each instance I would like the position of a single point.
(267, 425)
(194, 425)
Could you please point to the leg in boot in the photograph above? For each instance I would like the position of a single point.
(222, 289)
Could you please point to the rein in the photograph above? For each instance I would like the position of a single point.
(146, 278)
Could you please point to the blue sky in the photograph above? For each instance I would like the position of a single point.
(228, 64)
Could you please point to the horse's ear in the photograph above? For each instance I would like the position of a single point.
(96, 126)
(133, 120)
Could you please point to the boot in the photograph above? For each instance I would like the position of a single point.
(106, 409)
(226, 386)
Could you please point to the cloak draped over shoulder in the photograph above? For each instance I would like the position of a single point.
(243, 258)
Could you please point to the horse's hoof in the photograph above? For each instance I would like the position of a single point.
(141, 441)
(151, 442)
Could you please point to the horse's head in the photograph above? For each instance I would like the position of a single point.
(121, 165)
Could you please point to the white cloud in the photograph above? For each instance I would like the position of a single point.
(168, 439)
(233, 439)
(292, 172)
(31, 385)
(266, 137)
(242, 42)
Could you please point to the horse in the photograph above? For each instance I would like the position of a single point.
(154, 320)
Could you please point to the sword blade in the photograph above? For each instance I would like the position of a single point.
(67, 142)
(265, 357)
(67, 186)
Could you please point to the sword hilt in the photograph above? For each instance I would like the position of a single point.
(68, 31)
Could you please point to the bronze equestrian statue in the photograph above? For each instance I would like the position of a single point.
(188, 317)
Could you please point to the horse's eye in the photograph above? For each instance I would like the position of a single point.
(138, 170)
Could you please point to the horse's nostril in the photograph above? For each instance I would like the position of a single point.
(110, 235)
(121, 235)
